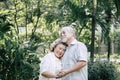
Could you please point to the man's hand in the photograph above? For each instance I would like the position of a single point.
(62, 73)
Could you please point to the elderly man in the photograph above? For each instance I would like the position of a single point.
(74, 61)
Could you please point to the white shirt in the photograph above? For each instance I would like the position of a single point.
(75, 52)
(50, 63)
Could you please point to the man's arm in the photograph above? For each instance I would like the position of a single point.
(76, 67)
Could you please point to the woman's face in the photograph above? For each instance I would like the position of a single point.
(59, 50)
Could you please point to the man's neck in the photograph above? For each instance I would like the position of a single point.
(70, 40)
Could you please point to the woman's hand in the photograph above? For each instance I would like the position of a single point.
(62, 73)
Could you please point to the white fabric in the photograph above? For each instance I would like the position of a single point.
(75, 52)
(50, 63)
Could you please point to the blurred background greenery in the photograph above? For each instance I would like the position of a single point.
(27, 28)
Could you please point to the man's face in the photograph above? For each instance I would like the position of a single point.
(65, 36)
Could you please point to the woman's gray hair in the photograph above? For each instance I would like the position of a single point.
(55, 43)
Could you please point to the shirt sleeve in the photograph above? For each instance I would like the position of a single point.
(44, 65)
(81, 52)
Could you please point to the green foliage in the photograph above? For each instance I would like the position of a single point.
(104, 55)
(4, 25)
(41, 20)
(102, 71)
(117, 2)
(16, 62)
(117, 39)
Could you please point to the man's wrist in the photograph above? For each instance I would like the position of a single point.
(67, 71)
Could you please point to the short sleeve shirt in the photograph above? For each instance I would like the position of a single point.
(75, 52)
(50, 63)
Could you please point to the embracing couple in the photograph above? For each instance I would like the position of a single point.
(67, 59)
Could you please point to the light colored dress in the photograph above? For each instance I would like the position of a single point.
(75, 52)
(50, 63)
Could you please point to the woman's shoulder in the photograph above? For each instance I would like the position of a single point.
(48, 55)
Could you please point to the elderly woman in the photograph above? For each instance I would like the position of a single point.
(51, 63)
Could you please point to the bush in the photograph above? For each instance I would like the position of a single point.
(101, 71)
(18, 62)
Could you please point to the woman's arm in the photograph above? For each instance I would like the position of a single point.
(49, 75)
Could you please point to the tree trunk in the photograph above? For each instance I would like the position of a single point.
(93, 31)
(109, 48)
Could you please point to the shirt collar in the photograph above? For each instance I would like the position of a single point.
(53, 54)
(73, 42)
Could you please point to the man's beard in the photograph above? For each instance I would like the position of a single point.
(64, 39)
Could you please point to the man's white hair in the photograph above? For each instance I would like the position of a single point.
(68, 29)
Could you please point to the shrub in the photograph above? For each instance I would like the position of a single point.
(101, 71)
